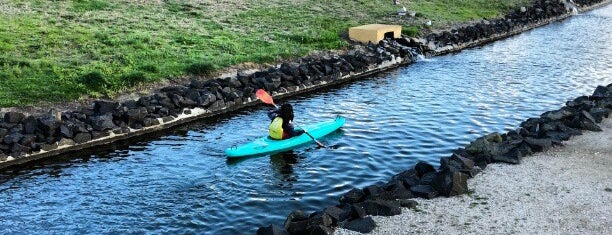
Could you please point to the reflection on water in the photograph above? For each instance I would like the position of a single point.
(282, 164)
(181, 182)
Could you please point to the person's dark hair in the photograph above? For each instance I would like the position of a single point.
(286, 112)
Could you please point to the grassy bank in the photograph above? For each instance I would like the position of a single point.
(54, 50)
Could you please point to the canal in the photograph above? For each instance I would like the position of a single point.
(180, 181)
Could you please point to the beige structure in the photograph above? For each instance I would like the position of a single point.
(374, 32)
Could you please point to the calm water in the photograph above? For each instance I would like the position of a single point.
(180, 181)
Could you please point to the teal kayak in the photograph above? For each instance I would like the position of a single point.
(267, 145)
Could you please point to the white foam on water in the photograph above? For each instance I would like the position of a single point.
(422, 58)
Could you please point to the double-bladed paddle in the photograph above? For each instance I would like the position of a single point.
(266, 98)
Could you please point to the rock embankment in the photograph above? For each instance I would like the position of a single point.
(355, 207)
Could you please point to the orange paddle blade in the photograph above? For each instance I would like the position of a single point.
(264, 96)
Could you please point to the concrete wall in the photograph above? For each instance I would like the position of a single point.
(373, 33)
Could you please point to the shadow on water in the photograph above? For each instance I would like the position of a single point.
(283, 166)
(237, 160)
(114, 152)
(283, 162)
(282, 155)
(53, 166)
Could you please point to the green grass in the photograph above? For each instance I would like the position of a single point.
(54, 50)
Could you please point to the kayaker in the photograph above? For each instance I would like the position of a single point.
(281, 126)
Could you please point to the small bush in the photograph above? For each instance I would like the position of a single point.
(264, 58)
(14, 62)
(320, 39)
(411, 31)
(90, 5)
(149, 68)
(173, 7)
(185, 40)
(133, 78)
(195, 14)
(4, 76)
(203, 68)
(93, 81)
(104, 38)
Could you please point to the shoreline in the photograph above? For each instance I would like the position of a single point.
(565, 190)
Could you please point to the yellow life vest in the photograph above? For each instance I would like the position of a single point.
(276, 128)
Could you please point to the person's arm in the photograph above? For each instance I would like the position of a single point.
(273, 114)
(293, 131)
